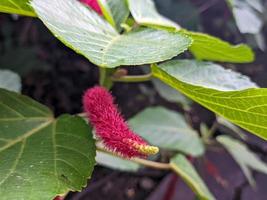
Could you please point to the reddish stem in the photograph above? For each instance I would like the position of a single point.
(171, 188)
(214, 171)
(59, 198)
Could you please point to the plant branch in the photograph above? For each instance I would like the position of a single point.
(207, 137)
(102, 75)
(213, 129)
(147, 163)
(152, 164)
(132, 79)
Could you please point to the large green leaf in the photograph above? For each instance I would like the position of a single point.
(204, 46)
(145, 13)
(116, 12)
(207, 47)
(167, 129)
(20, 7)
(207, 74)
(244, 157)
(87, 33)
(114, 162)
(186, 170)
(10, 80)
(41, 157)
(221, 91)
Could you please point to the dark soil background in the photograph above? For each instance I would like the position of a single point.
(56, 76)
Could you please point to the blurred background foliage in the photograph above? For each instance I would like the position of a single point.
(56, 76)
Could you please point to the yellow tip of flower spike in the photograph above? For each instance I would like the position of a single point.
(143, 149)
(146, 149)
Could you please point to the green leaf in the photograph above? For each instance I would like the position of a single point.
(246, 16)
(167, 129)
(222, 91)
(87, 33)
(145, 13)
(232, 127)
(115, 162)
(244, 157)
(207, 74)
(247, 20)
(206, 47)
(256, 4)
(116, 12)
(171, 94)
(186, 170)
(41, 157)
(10, 80)
(20, 7)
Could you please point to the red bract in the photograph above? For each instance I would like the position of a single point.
(110, 126)
(93, 4)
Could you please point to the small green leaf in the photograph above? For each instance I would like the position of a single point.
(10, 81)
(41, 157)
(116, 12)
(20, 7)
(246, 15)
(145, 13)
(115, 162)
(247, 20)
(256, 4)
(167, 129)
(224, 92)
(206, 47)
(232, 127)
(90, 35)
(244, 157)
(186, 170)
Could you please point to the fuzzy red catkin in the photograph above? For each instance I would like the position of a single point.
(110, 126)
(93, 4)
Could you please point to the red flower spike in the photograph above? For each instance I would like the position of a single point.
(93, 4)
(110, 126)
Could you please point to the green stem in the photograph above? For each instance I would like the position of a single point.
(213, 129)
(104, 77)
(133, 79)
(147, 163)
(152, 164)
(207, 137)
